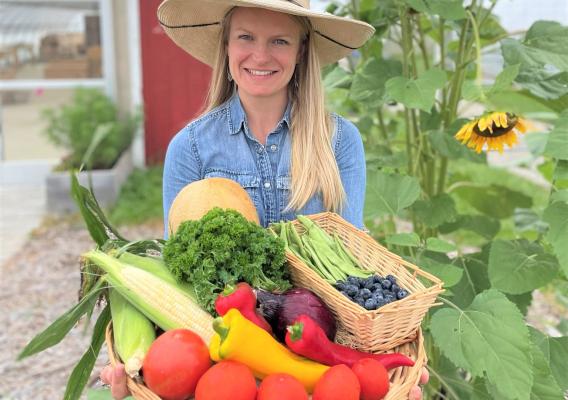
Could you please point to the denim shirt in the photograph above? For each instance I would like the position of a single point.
(220, 144)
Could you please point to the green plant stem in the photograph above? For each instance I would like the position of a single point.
(406, 32)
(382, 126)
(422, 42)
(443, 65)
(479, 71)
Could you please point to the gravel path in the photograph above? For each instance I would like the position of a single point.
(38, 285)
(41, 282)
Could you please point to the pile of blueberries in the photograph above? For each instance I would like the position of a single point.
(371, 292)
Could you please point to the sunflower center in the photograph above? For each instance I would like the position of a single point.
(497, 131)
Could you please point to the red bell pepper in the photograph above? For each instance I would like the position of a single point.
(242, 298)
(305, 337)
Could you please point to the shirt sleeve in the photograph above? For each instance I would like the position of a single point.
(181, 167)
(350, 156)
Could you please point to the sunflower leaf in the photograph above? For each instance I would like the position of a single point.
(494, 200)
(390, 193)
(557, 145)
(417, 93)
(404, 239)
(448, 273)
(439, 245)
(555, 351)
(519, 266)
(556, 215)
(436, 210)
(448, 9)
(337, 78)
(491, 326)
(369, 81)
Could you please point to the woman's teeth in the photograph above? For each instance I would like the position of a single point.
(260, 73)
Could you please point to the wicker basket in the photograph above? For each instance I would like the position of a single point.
(401, 379)
(376, 330)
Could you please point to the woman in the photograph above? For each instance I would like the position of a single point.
(265, 124)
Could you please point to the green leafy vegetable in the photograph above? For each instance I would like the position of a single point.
(224, 248)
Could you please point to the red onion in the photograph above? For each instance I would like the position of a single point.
(281, 309)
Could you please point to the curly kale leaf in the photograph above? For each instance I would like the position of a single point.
(222, 248)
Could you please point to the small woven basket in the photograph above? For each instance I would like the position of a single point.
(369, 330)
(401, 379)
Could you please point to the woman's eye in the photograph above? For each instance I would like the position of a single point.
(281, 41)
(245, 37)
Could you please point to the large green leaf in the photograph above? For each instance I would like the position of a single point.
(525, 103)
(417, 93)
(556, 215)
(368, 85)
(561, 195)
(448, 273)
(82, 371)
(544, 386)
(454, 384)
(390, 193)
(446, 145)
(404, 239)
(555, 351)
(488, 338)
(435, 211)
(557, 145)
(439, 245)
(527, 220)
(543, 59)
(519, 266)
(337, 78)
(474, 279)
(495, 200)
(472, 92)
(447, 9)
(482, 225)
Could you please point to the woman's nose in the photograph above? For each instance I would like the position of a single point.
(261, 52)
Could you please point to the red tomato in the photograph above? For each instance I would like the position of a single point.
(337, 383)
(281, 387)
(373, 377)
(227, 380)
(174, 363)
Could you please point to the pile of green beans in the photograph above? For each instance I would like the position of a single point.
(325, 254)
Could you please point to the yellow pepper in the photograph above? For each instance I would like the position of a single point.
(238, 339)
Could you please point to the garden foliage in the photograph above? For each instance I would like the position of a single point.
(493, 237)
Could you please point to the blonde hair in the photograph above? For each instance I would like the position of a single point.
(313, 167)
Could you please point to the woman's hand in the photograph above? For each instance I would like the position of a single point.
(416, 392)
(116, 378)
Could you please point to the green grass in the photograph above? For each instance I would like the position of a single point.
(140, 198)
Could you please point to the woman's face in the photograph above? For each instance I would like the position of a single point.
(263, 49)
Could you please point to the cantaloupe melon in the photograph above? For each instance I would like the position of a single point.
(197, 198)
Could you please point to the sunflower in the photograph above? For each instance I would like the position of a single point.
(495, 129)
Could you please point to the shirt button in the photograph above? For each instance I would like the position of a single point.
(267, 185)
(273, 147)
(259, 149)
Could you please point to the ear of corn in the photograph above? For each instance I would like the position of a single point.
(164, 303)
(133, 333)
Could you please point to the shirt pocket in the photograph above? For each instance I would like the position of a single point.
(249, 182)
(313, 206)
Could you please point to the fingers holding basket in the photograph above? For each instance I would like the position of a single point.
(116, 378)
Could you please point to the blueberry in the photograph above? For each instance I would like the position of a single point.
(381, 302)
(340, 285)
(395, 288)
(352, 290)
(359, 300)
(353, 280)
(365, 293)
(376, 287)
(378, 295)
(370, 304)
(386, 284)
(401, 294)
(369, 282)
(391, 278)
(388, 293)
(389, 298)
(377, 278)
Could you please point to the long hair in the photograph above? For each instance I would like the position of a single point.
(313, 167)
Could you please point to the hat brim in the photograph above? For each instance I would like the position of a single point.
(195, 26)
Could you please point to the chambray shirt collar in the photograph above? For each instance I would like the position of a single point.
(238, 118)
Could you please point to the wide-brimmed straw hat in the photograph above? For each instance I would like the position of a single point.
(195, 26)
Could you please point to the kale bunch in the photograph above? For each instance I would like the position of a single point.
(222, 248)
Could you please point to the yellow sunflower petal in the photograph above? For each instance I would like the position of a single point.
(461, 132)
(503, 118)
(521, 126)
(499, 145)
(482, 124)
(479, 146)
(469, 130)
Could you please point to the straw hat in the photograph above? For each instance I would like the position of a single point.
(195, 25)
